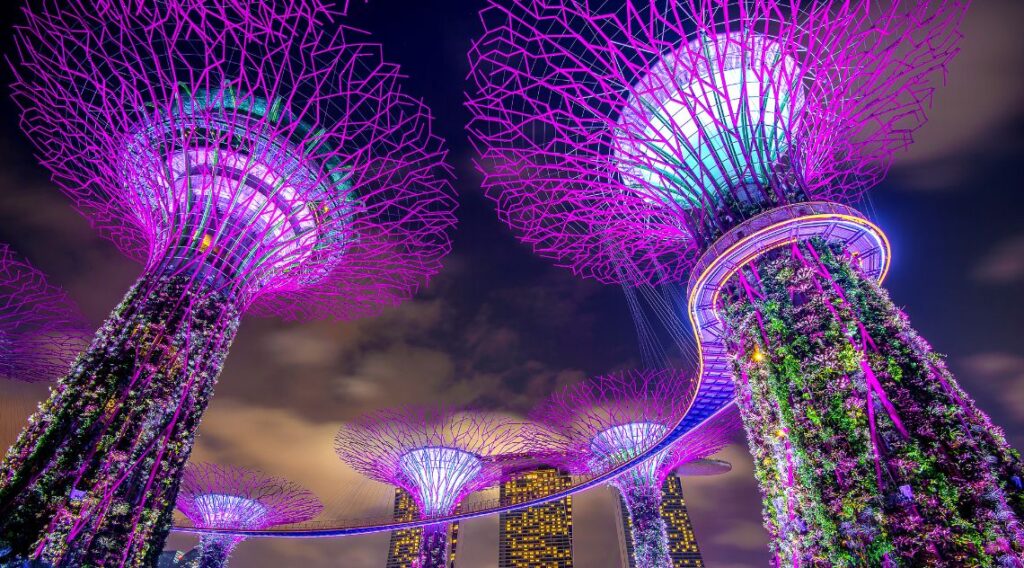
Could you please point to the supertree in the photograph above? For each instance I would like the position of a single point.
(225, 497)
(41, 330)
(601, 423)
(255, 155)
(437, 454)
(720, 140)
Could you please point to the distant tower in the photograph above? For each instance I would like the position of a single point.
(255, 155)
(540, 535)
(223, 497)
(404, 545)
(41, 330)
(721, 143)
(601, 423)
(438, 455)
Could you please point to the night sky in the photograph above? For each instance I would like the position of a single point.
(500, 329)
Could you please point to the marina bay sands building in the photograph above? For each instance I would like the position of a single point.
(536, 536)
(404, 546)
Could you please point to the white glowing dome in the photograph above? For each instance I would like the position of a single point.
(230, 511)
(624, 442)
(710, 118)
(440, 476)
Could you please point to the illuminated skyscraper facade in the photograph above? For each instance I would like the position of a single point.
(682, 543)
(404, 547)
(536, 537)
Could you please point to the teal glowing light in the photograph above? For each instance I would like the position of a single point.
(260, 191)
(708, 120)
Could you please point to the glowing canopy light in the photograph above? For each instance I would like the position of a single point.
(439, 455)
(596, 425)
(263, 205)
(624, 442)
(226, 497)
(258, 144)
(441, 475)
(690, 127)
(636, 133)
(229, 511)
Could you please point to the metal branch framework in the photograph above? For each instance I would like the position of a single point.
(641, 142)
(622, 141)
(439, 455)
(598, 424)
(226, 497)
(256, 156)
(264, 141)
(41, 330)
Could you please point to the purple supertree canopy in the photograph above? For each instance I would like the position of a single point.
(225, 497)
(439, 455)
(258, 144)
(603, 422)
(620, 141)
(41, 330)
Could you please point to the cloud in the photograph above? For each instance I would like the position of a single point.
(982, 96)
(725, 511)
(1002, 373)
(284, 443)
(1004, 265)
(595, 528)
(398, 374)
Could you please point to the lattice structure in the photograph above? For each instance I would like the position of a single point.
(226, 497)
(638, 141)
(254, 155)
(598, 424)
(621, 142)
(41, 330)
(439, 455)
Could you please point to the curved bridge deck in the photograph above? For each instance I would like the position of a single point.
(771, 230)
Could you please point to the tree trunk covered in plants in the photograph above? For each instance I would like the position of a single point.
(647, 528)
(92, 479)
(216, 550)
(434, 547)
(867, 451)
